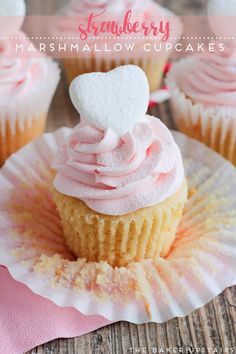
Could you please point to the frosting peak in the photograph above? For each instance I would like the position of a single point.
(17, 75)
(116, 175)
(215, 81)
(116, 7)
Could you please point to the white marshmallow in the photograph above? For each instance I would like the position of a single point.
(10, 8)
(218, 11)
(117, 99)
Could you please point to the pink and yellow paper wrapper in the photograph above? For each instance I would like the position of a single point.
(200, 265)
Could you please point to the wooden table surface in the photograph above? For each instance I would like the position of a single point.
(213, 326)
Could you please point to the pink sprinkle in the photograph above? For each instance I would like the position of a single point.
(167, 68)
(152, 104)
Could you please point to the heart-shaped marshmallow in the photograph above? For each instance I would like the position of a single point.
(9, 8)
(117, 99)
(221, 14)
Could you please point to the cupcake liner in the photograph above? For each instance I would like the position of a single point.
(11, 142)
(119, 240)
(216, 128)
(27, 109)
(200, 265)
(153, 68)
(23, 118)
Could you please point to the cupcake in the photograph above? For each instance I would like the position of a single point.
(114, 10)
(28, 81)
(203, 92)
(119, 186)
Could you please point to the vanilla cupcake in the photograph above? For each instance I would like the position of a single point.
(114, 10)
(203, 97)
(27, 84)
(119, 188)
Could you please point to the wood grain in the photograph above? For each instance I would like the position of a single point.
(212, 326)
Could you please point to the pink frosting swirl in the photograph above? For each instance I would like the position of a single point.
(116, 7)
(117, 175)
(18, 74)
(210, 78)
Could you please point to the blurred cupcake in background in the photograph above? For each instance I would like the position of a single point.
(28, 81)
(153, 65)
(203, 91)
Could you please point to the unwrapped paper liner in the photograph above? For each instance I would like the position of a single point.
(200, 265)
(213, 126)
